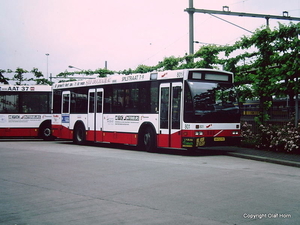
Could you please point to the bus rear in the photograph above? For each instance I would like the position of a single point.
(25, 111)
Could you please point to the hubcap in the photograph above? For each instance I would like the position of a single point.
(47, 132)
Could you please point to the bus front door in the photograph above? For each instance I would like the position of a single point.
(65, 115)
(170, 115)
(95, 115)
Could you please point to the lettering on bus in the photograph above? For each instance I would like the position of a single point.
(126, 120)
(72, 84)
(187, 142)
(65, 118)
(23, 118)
(98, 81)
(132, 118)
(17, 88)
(132, 77)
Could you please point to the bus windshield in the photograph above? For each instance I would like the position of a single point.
(208, 102)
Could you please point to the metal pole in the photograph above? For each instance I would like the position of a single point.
(191, 26)
(47, 65)
(267, 20)
(231, 23)
(229, 13)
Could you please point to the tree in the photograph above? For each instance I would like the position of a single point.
(102, 72)
(170, 63)
(288, 62)
(143, 69)
(19, 76)
(2, 78)
(273, 59)
(39, 77)
(208, 55)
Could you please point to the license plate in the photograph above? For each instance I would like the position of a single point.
(219, 139)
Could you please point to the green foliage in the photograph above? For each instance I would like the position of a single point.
(284, 138)
(39, 77)
(143, 69)
(274, 59)
(208, 55)
(103, 72)
(83, 73)
(170, 63)
(249, 138)
(2, 78)
(19, 76)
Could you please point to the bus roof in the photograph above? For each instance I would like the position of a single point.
(118, 79)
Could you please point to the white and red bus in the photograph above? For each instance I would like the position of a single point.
(25, 111)
(183, 109)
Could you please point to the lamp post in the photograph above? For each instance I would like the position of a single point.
(191, 27)
(47, 54)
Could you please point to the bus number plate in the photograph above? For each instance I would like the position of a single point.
(219, 139)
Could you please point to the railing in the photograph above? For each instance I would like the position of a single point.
(278, 116)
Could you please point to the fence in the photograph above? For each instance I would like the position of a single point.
(278, 116)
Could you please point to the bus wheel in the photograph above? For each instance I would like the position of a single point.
(79, 134)
(148, 140)
(45, 132)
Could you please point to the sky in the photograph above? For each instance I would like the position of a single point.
(124, 33)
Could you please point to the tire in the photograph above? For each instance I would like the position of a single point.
(147, 140)
(45, 132)
(79, 135)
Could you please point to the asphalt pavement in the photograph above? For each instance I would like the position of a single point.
(63, 183)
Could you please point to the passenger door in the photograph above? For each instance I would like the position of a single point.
(170, 115)
(65, 111)
(95, 113)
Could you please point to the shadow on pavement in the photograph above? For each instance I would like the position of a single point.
(167, 151)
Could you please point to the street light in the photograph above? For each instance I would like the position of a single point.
(204, 43)
(226, 8)
(285, 14)
(47, 54)
(73, 67)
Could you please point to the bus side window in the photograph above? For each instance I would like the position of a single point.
(79, 101)
(154, 98)
(35, 103)
(9, 103)
(118, 100)
(57, 101)
(66, 103)
(108, 100)
(92, 102)
(99, 102)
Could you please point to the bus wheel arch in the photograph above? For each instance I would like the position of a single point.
(79, 133)
(147, 137)
(45, 130)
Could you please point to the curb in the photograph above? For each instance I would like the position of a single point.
(265, 159)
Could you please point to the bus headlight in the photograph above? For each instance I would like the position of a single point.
(198, 133)
(235, 132)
